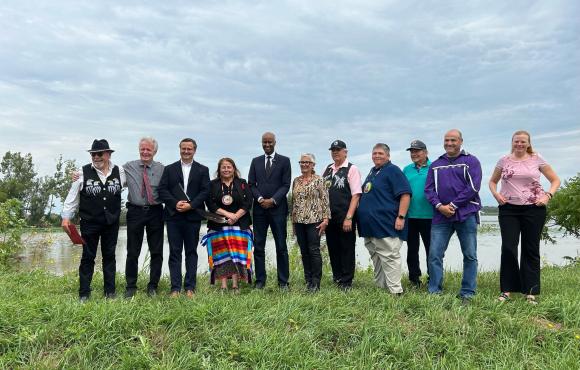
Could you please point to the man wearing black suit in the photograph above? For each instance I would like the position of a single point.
(183, 188)
(269, 178)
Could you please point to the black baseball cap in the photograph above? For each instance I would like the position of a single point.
(417, 144)
(337, 144)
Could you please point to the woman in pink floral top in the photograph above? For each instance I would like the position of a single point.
(522, 211)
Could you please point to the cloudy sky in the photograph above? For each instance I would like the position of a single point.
(223, 72)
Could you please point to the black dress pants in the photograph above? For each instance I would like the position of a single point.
(139, 220)
(341, 250)
(309, 242)
(527, 221)
(277, 223)
(183, 235)
(91, 233)
(418, 228)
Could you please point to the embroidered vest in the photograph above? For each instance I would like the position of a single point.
(100, 203)
(338, 192)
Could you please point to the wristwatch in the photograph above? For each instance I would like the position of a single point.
(349, 218)
(401, 217)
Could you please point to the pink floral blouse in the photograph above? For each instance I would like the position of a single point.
(520, 180)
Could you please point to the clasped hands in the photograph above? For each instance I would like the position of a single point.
(231, 217)
(183, 206)
(446, 210)
(267, 203)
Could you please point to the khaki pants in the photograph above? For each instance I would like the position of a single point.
(386, 257)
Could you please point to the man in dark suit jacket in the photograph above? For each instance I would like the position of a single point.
(183, 188)
(269, 178)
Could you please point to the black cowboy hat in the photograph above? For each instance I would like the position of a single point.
(100, 146)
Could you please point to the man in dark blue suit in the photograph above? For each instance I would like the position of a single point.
(269, 178)
(183, 188)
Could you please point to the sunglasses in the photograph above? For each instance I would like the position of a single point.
(304, 162)
(97, 154)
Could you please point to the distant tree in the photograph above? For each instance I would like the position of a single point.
(11, 226)
(59, 184)
(38, 196)
(17, 178)
(564, 208)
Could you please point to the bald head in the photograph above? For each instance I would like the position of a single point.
(452, 142)
(268, 142)
(454, 132)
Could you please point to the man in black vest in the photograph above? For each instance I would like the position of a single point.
(343, 181)
(184, 187)
(97, 196)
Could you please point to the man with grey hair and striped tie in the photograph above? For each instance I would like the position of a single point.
(144, 213)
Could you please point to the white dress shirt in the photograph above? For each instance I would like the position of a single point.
(186, 168)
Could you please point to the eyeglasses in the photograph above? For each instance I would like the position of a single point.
(304, 162)
(97, 154)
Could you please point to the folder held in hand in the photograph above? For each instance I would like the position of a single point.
(74, 235)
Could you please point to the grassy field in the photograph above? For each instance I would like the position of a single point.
(42, 325)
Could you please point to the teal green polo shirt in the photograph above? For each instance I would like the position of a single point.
(419, 207)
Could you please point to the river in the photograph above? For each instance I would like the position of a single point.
(53, 252)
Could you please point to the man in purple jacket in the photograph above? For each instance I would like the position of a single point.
(452, 187)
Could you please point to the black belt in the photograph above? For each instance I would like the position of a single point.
(145, 208)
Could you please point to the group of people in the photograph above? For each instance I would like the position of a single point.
(428, 201)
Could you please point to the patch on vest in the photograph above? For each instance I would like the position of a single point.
(113, 186)
(93, 187)
(339, 182)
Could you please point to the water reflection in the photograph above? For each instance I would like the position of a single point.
(54, 252)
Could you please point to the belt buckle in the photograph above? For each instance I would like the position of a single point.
(146, 208)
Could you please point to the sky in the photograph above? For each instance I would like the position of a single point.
(224, 72)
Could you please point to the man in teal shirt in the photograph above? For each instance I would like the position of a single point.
(420, 210)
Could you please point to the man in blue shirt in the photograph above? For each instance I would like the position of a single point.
(381, 215)
(420, 210)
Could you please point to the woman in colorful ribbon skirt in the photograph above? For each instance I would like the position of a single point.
(229, 237)
(310, 214)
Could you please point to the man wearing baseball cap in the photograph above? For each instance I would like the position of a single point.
(96, 194)
(343, 181)
(420, 211)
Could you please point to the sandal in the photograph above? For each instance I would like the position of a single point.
(223, 290)
(236, 290)
(503, 297)
(531, 299)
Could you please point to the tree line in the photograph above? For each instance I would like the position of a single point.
(38, 196)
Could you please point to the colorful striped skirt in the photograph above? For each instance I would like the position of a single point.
(229, 252)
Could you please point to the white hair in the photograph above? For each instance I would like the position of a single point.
(309, 155)
(150, 140)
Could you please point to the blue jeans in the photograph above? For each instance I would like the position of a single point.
(440, 235)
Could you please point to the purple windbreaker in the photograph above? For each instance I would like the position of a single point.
(454, 180)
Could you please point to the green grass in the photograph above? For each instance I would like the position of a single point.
(43, 326)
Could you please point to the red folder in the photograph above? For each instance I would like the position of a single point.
(74, 235)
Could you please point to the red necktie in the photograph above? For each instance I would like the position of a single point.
(146, 190)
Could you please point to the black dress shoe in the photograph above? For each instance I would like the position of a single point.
(313, 288)
(284, 287)
(259, 285)
(345, 287)
(465, 301)
(151, 292)
(130, 293)
(416, 284)
(110, 295)
(83, 299)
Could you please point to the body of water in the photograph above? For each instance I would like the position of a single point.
(55, 253)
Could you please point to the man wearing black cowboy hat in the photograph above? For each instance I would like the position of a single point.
(97, 196)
